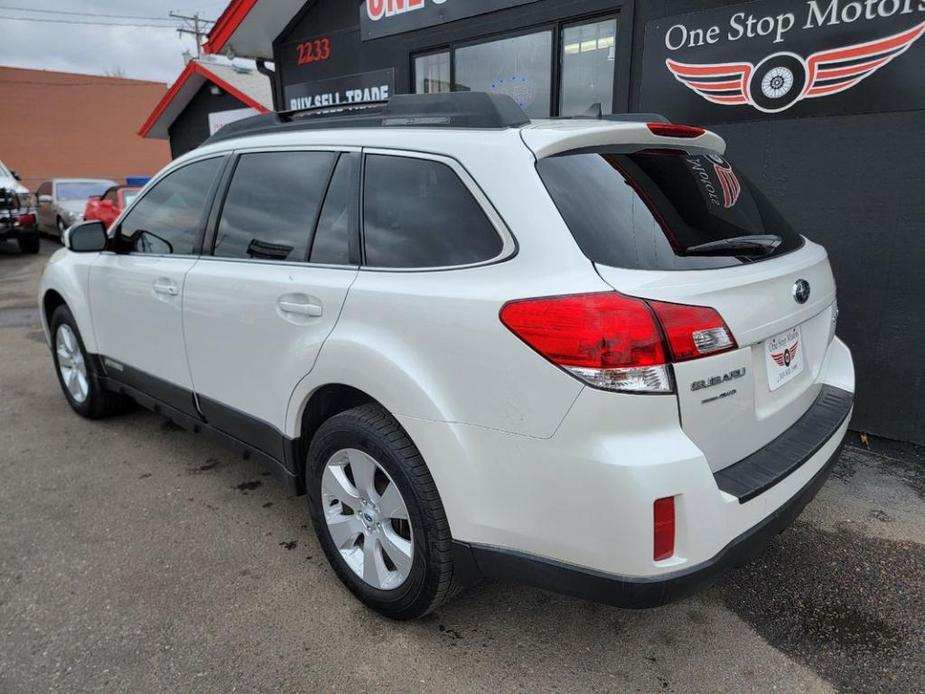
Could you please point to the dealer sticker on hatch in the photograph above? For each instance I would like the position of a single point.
(784, 357)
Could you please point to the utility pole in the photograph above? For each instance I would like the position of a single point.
(196, 27)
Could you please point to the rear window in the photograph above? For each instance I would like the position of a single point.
(664, 210)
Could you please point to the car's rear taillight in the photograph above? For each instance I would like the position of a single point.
(675, 130)
(616, 342)
(608, 340)
(26, 220)
(693, 331)
(664, 522)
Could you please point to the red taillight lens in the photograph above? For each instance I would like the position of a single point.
(617, 342)
(26, 220)
(693, 331)
(675, 130)
(664, 533)
(608, 340)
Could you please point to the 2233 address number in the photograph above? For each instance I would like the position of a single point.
(316, 51)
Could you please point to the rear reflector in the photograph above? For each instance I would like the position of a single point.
(693, 331)
(675, 130)
(608, 340)
(617, 342)
(664, 528)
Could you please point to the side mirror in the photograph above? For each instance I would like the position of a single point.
(46, 199)
(86, 237)
(15, 175)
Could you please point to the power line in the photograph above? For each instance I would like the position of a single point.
(83, 84)
(97, 24)
(85, 14)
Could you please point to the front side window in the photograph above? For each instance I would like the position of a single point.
(170, 218)
(520, 67)
(419, 214)
(272, 205)
(664, 210)
(588, 59)
(432, 73)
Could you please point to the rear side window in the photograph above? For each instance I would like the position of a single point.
(272, 205)
(664, 210)
(418, 214)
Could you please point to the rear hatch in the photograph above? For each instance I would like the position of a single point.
(680, 224)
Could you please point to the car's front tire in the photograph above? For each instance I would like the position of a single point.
(377, 513)
(77, 373)
(61, 228)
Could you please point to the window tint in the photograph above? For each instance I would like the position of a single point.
(272, 205)
(520, 67)
(112, 195)
(656, 210)
(336, 225)
(588, 59)
(417, 213)
(169, 219)
(432, 73)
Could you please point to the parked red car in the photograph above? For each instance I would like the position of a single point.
(108, 206)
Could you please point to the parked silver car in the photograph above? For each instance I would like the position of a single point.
(61, 201)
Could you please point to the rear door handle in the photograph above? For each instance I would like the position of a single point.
(309, 308)
(166, 287)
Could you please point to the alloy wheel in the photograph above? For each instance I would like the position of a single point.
(367, 519)
(71, 364)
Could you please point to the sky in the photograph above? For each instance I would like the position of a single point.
(138, 52)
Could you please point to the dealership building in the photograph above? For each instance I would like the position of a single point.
(821, 102)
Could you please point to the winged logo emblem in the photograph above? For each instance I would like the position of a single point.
(786, 357)
(782, 79)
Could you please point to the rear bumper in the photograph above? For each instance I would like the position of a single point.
(644, 592)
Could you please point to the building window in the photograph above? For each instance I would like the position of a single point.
(520, 67)
(432, 73)
(588, 59)
(582, 56)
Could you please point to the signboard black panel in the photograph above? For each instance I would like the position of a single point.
(786, 58)
(363, 88)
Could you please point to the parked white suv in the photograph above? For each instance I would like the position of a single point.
(583, 354)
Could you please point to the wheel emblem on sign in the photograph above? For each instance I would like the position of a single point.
(783, 79)
(777, 83)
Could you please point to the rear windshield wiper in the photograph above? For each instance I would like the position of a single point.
(761, 244)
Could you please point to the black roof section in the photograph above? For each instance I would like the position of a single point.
(476, 110)
(448, 110)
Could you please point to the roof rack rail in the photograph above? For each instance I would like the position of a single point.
(448, 110)
(596, 112)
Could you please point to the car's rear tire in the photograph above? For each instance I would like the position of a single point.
(78, 375)
(29, 244)
(363, 477)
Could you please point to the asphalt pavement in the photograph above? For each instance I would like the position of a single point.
(137, 557)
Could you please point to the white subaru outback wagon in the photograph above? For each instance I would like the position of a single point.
(585, 354)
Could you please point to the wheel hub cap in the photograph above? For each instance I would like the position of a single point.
(367, 519)
(71, 364)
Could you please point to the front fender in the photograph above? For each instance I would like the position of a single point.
(68, 274)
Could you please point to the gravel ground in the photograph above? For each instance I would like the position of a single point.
(135, 557)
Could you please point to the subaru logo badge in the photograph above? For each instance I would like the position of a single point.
(801, 291)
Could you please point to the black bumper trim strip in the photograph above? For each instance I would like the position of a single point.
(766, 467)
